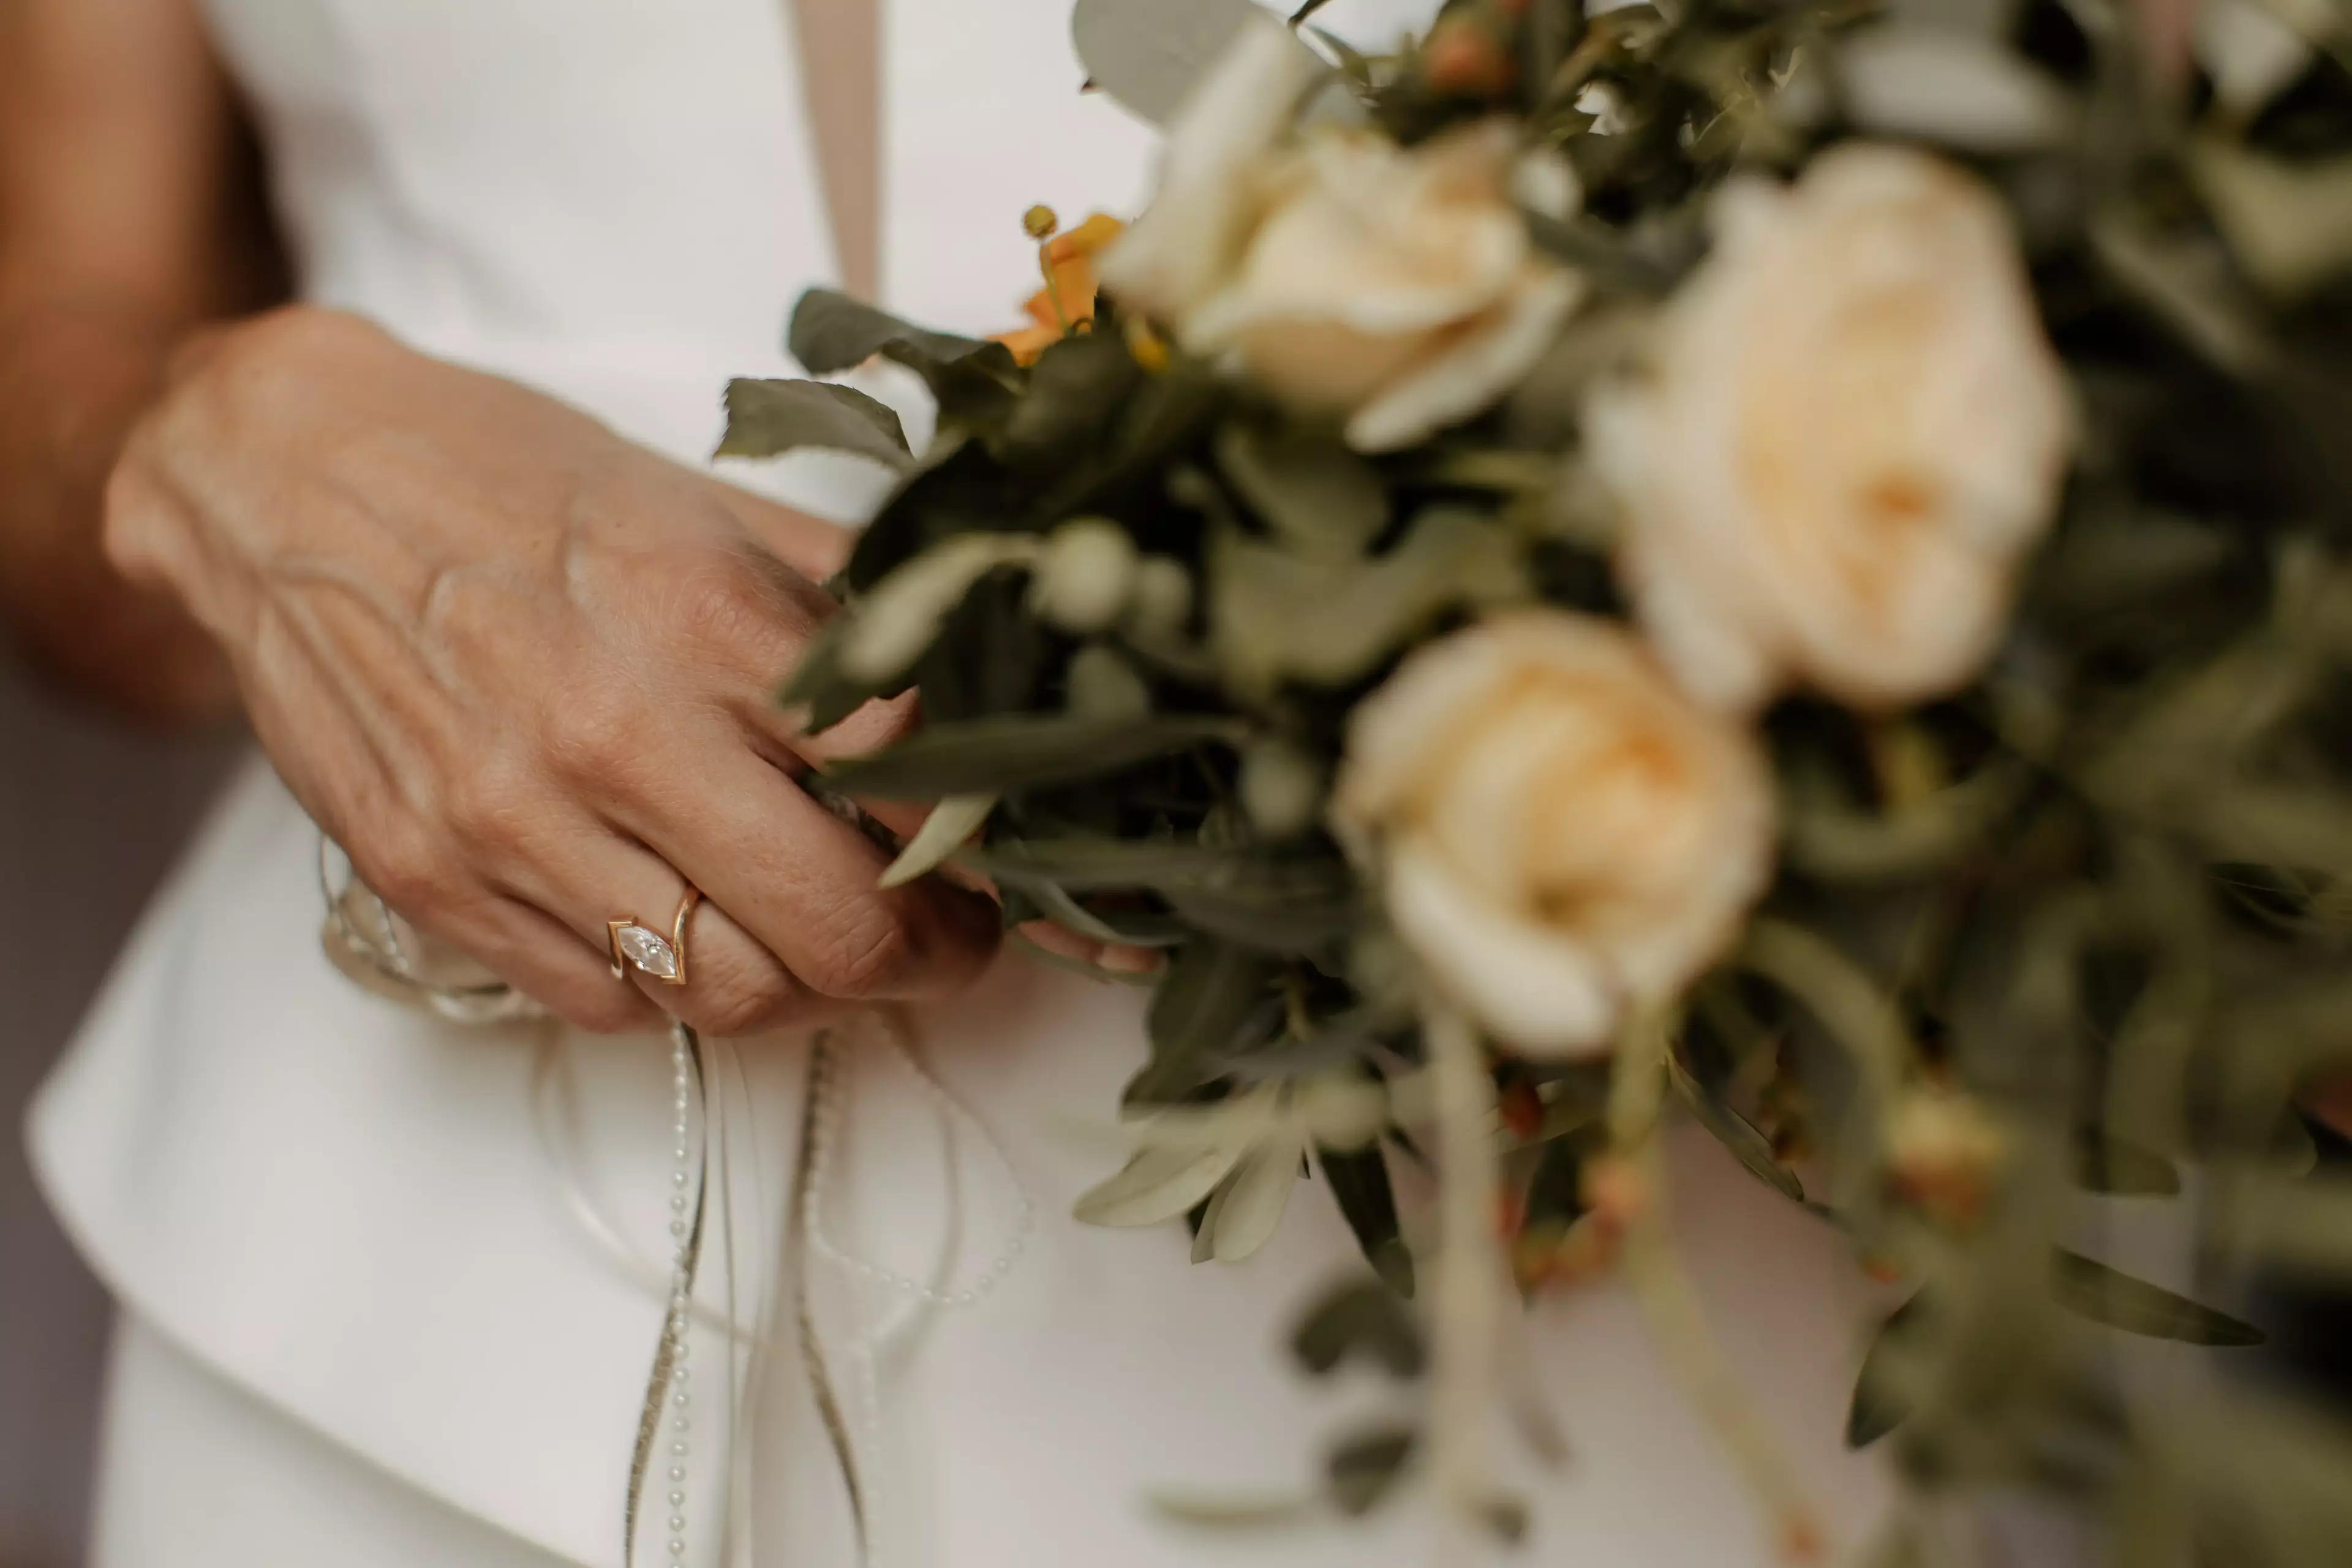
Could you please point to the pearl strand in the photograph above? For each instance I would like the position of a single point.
(681, 1286)
(829, 1096)
(832, 1097)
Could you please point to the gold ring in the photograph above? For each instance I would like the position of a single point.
(638, 946)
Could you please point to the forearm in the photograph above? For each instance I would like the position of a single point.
(75, 376)
(131, 215)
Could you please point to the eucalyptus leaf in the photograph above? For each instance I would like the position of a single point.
(1876, 1407)
(2187, 287)
(1321, 498)
(2290, 224)
(1276, 615)
(2104, 1294)
(769, 418)
(1130, 930)
(1158, 1184)
(1151, 54)
(1248, 1205)
(1829, 838)
(1363, 1319)
(893, 625)
(1076, 388)
(1295, 919)
(950, 826)
(1081, 864)
(1940, 85)
(1359, 1179)
(1210, 991)
(1736, 1133)
(1021, 751)
(832, 331)
(1364, 1469)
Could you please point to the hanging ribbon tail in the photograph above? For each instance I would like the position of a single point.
(665, 1367)
(818, 1093)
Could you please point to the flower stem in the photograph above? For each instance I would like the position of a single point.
(1670, 1301)
(1467, 1296)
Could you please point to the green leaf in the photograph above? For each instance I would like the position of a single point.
(2291, 224)
(1361, 1319)
(1149, 54)
(1083, 863)
(832, 331)
(1359, 1184)
(1735, 1133)
(1600, 253)
(1364, 1469)
(2106, 1163)
(1210, 991)
(1276, 615)
(1248, 1205)
(1133, 928)
(1270, 917)
(2183, 284)
(1322, 500)
(1021, 750)
(1876, 1409)
(1940, 85)
(1076, 389)
(1158, 1184)
(2104, 1294)
(950, 826)
(1831, 839)
(898, 620)
(769, 418)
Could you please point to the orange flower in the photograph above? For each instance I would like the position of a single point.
(1066, 302)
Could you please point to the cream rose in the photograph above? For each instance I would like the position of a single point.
(1394, 288)
(1854, 429)
(1559, 830)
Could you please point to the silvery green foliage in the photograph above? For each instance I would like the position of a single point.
(2106, 890)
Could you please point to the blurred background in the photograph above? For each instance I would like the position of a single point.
(91, 815)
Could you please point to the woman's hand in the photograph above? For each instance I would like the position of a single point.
(522, 670)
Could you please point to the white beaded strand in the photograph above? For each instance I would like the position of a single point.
(832, 1097)
(681, 1285)
(829, 1099)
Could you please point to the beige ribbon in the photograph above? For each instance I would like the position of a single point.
(844, 102)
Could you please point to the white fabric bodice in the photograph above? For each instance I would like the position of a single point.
(351, 1209)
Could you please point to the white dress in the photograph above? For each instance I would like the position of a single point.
(377, 1312)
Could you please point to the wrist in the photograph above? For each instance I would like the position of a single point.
(73, 379)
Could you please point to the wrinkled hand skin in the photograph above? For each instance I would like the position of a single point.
(523, 670)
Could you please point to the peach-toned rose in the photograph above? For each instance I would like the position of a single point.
(1393, 288)
(1853, 431)
(1558, 831)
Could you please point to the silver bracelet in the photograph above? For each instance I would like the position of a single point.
(377, 950)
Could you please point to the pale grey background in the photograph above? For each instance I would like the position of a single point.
(91, 815)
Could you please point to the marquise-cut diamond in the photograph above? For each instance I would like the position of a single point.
(647, 950)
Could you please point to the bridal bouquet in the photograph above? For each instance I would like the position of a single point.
(1790, 559)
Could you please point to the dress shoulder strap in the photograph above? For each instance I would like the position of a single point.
(841, 81)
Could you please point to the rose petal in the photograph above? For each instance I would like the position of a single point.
(1540, 993)
(1467, 376)
(1172, 256)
